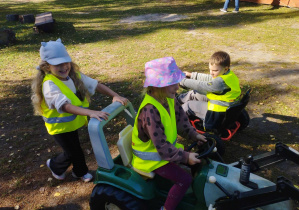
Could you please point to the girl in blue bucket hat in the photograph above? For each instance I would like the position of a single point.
(159, 120)
(61, 95)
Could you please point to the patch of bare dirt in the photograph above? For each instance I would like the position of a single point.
(153, 17)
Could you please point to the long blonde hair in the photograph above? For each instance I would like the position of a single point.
(37, 83)
(159, 93)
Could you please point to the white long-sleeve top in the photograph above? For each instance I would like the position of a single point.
(54, 98)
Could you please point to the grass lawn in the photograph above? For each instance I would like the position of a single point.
(263, 42)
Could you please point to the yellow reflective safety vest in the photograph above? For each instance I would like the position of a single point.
(219, 103)
(145, 155)
(63, 122)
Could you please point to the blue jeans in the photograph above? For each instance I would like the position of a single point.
(227, 3)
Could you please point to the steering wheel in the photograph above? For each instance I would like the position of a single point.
(205, 149)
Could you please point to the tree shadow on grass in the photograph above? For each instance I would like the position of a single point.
(277, 127)
(110, 12)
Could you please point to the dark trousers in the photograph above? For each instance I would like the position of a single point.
(72, 154)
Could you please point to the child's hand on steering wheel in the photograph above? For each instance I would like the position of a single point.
(201, 139)
(193, 158)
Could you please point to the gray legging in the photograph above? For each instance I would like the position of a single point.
(194, 103)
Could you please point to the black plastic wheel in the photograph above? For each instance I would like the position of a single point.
(219, 143)
(243, 119)
(106, 197)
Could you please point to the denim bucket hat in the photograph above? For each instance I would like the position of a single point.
(162, 72)
(54, 52)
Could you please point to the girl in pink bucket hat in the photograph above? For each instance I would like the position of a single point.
(159, 120)
(61, 96)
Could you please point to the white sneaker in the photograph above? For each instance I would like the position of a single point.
(235, 11)
(223, 10)
(86, 178)
(59, 177)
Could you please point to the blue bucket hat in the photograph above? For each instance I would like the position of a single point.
(54, 52)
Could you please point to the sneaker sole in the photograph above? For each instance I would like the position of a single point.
(84, 180)
(53, 174)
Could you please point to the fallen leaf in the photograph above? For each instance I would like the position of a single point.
(42, 190)
(57, 194)
(42, 165)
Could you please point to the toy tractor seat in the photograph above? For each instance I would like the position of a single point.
(233, 112)
(236, 118)
(124, 145)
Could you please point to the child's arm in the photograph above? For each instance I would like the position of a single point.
(56, 100)
(69, 108)
(201, 76)
(184, 127)
(217, 85)
(151, 128)
(107, 91)
(198, 76)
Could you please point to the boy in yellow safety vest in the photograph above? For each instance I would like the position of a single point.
(212, 93)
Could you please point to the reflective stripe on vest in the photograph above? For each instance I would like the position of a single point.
(222, 103)
(219, 103)
(149, 155)
(60, 119)
(170, 130)
(56, 122)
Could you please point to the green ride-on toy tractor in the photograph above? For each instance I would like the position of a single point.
(215, 185)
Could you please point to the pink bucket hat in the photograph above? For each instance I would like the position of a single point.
(162, 72)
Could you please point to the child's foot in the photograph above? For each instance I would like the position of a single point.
(86, 178)
(235, 11)
(223, 10)
(59, 177)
